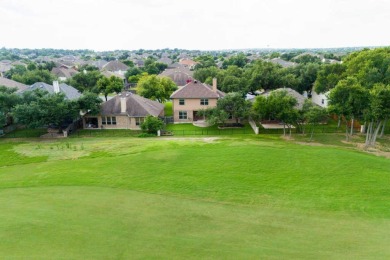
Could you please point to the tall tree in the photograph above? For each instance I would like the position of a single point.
(109, 85)
(378, 112)
(350, 100)
(328, 76)
(8, 99)
(156, 88)
(278, 106)
(46, 109)
(263, 75)
(85, 81)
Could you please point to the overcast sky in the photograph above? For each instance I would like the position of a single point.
(193, 24)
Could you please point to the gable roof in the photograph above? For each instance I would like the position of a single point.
(179, 76)
(115, 65)
(283, 63)
(300, 98)
(196, 89)
(12, 84)
(136, 106)
(64, 72)
(69, 91)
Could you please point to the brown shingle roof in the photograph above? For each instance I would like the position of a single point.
(9, 83)
(136, 106)
(197, 89)
(115, 65)
(64, 72)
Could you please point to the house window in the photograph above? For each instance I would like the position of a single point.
(182, 114)
(108, 120)
(139, 120)
(181, 102)
(204, 102)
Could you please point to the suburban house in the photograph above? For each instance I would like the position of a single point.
(320, 99)
(9, 83)
(194, 96)
(124, 111)
(291, 92)
(283, 63)
(70, 92)
(180, 76)
(188, 63)
(63, 73)
(116, 67)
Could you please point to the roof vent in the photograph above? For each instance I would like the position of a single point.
(195, 81)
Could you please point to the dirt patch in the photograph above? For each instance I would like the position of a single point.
(372, 150)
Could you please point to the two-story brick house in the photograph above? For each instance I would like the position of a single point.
(194, 96)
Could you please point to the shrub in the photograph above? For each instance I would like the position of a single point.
(151, 125)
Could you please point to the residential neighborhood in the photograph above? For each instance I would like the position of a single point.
(195, 129)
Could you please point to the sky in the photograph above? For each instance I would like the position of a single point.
(193, 24)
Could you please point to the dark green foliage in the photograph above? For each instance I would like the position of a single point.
(152, 124)
(45, 109)
(85, 81)
(156, 88)
(89, 103)
(238, 60)
(109, 85)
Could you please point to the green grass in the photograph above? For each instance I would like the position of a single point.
(230, 198)
(190, 129)
(105, 133)
(168, 108)
(26, 133)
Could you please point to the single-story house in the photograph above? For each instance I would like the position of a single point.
(124, 111)
(70, 92)
(64, 73)
(9, 83)
(194, 96)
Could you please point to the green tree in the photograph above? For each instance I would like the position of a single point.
(278, 106)
(85, 81)
(369, 67)
(152, 124)
(349, 99)
(8, 99)
(205, 61)
(46, 110)
(313, 115)
(239, 60)
(156, 88)
(235, 105)
(202, 74)
(109, 85)
(89, 103)
(263, 75)
(32, 76)
(328, 76)
(378, 112)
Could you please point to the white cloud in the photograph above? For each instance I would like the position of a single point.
(193, 24)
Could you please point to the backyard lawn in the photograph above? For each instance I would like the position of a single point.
(237, 197)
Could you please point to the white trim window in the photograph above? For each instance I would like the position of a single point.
(182, 114)
(204, 101)
(108, 120)
(182, 102)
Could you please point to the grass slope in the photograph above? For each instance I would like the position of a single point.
(194, 198)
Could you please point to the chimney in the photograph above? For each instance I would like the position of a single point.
(56, 87)
(215, 84)
(123, 104)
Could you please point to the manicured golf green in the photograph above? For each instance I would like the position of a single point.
(190, 198)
